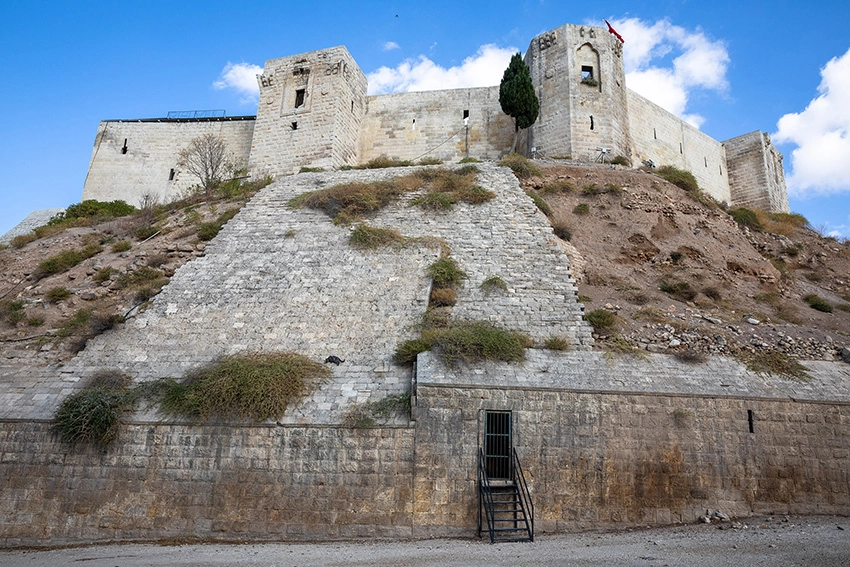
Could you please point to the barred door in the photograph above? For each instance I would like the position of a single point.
(497, 444)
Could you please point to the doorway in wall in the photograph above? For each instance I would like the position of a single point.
(498, 443)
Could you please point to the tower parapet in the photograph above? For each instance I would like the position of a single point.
(579, 77)
(310, 112)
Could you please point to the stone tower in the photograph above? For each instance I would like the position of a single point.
(579, 77)
(310, 112)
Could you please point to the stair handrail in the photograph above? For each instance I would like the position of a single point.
(524, 494)
(485, 497)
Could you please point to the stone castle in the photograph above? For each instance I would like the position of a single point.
(603, 440)
(314, 112)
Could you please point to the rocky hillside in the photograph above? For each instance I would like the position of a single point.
(683, 276)
(678, 272)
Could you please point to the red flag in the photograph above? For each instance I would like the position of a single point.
(613, 31)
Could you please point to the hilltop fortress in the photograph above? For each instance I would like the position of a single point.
(570, 437)
(314, 112)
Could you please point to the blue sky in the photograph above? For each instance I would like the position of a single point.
(730, 67)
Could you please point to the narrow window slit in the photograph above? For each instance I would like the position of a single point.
(294, 125)
(750, 420)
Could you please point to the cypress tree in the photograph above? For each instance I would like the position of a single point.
(517, 97)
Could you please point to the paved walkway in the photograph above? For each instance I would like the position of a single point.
(798, 541)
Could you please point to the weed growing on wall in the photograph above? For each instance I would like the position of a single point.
(368, 237)
(446, 273)
(541, 203)
(775, 362)
(255, 386)
(470, 341)
(493, 284)
(93, 414)
(556, 343)
(371, 414)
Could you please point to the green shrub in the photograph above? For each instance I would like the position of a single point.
(406, 352)
(601, 320)
(12, 311)
(370, 237)
(143, 275)
(675, 257)
(104, 274)
(93, 209)
(558, 187)
(255, 386)
(474, 341)
(521, 166)
(348, 202)
(541, 203)
(620, 160)
(430, 161)
(493, 284)
(562, 229)
(35, 321)
(209, 230)
(384, 162)
(818, 303)
(59, 263)
(371, 414)
(145, 232)
(779, 363)
(581, 209)
(447, 187)
(446, 273)
(121, 246)
(678, 177)
(23, 239)
(746, 217)
(681, 290)
(470, 160)
(92, 415)
(556, 343)
(58, 293)
(311, 170)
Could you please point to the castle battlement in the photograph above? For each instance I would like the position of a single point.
(313, 111)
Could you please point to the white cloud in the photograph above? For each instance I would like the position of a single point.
(485, 68)
(698, 63)
(241, 77)
(821, 162)
(390, 45)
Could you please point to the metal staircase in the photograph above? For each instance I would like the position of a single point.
(504, 504)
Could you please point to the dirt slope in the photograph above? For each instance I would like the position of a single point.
(744, 288)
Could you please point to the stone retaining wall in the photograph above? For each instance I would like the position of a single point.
(230, 483)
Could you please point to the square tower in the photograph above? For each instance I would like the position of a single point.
(579, 77)
(310, 112)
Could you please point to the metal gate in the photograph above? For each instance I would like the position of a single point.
(498, 444)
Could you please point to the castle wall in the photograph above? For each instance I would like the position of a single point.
(578, 117)
(756, 173)
(410, 126)
(310, 112)
(224, 482)
(132, 159)
(607, 441)
(666, 139)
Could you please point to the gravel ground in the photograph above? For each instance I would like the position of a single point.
(821, 541)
